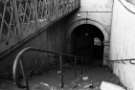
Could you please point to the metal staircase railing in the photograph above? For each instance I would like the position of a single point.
(21, 18)
(17, 16)
(18, 63)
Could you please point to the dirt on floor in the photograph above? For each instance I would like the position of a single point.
(75, 78)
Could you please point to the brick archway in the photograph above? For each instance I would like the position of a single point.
(77, 23)
(97, 24)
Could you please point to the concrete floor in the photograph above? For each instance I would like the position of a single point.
(72, 80)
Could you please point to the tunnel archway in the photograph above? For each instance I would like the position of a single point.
(87, 41)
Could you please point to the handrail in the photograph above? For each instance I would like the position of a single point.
(19, 61)
(130, 60)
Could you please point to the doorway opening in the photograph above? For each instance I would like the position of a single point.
(87, 41)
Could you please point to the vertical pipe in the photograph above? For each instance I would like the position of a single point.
(61, 69)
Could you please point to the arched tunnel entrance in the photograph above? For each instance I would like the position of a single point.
(87, 41)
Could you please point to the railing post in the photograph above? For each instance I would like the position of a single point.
(75, 68)
(24, 76)
(61, 69)
(82, 62)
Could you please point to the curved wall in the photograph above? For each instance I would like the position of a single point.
(123, 41)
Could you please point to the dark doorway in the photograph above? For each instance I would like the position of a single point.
(87, 41)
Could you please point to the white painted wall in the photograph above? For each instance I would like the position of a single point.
(123, 41)
(96, 5)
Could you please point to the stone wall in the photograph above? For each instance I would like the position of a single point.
(99, 14)
(55, 37)
(51, 38)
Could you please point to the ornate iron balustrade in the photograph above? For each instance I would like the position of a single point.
(20, 18)
(6, 19)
